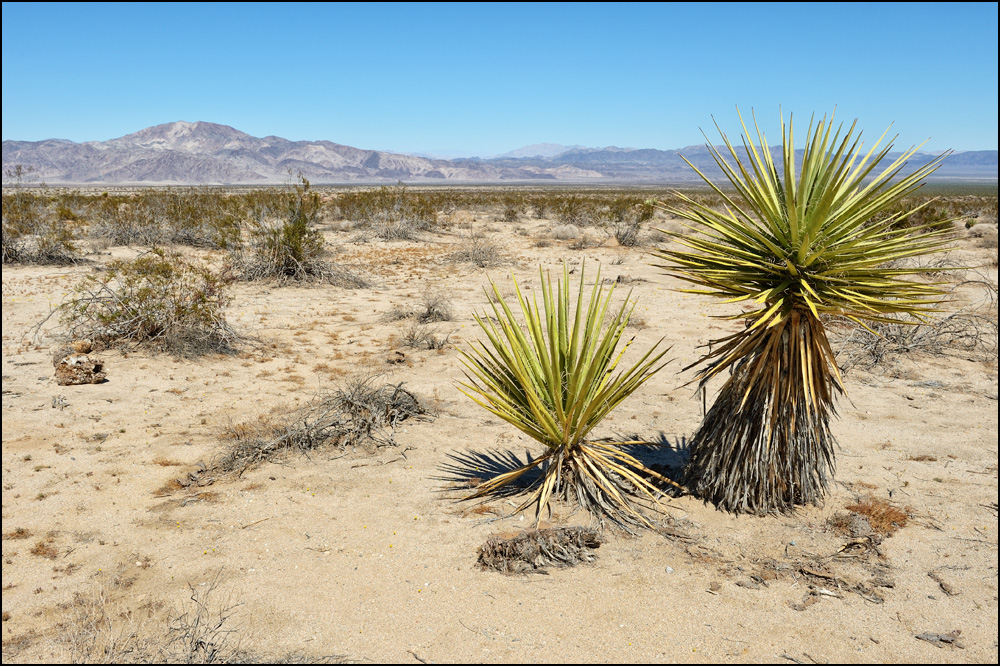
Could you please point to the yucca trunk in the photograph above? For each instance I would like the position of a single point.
(766, 446)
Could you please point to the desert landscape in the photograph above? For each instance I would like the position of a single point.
(157, 514)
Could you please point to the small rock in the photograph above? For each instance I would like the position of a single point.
(83, 346)
(79, 369)
(75, 347)
(858, 526)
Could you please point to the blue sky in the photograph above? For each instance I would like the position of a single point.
(482, 79)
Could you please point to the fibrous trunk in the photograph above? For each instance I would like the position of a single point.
(765, 445)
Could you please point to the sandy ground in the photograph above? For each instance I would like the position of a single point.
(369, 557)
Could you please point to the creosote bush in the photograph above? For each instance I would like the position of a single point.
(388, 213)
(126, 221)
(33, 233)
(281, 241)
(160, 299)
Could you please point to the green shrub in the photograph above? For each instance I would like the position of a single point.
(388, 213)
(31, 233)
(126, 221)
(281, 242)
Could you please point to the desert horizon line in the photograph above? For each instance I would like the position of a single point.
(457, 153)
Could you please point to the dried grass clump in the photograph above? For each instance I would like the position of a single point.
(17, 533)
(883, 517)
(421, 336)
(361, 414)
(970, 331)
(566, 232)
(534, 550)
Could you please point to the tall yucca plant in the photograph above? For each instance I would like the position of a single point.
(552, 378)
(797, 244)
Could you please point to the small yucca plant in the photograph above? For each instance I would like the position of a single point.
(552, 377)
(798, 244)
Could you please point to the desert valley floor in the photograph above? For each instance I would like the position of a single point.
(113, 521)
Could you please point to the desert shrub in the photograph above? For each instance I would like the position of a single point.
(281, 242)
(388, 213)
(198, 218)
(480, 250)
(539, 206)
(435, 306)
(625, 217)
(31, 233)
(161, 300)
(512, 206)
(573, 210)
(126, 220)
(566, 232)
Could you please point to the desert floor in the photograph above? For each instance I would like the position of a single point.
(369, 557)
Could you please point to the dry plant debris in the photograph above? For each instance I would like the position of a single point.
(361, 414)
(534, 550)
(883, 517)
(942, 639)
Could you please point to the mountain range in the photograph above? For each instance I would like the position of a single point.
(202, 153)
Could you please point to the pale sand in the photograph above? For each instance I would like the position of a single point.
(368, 556)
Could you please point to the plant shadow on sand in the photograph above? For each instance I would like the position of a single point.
(469, 469)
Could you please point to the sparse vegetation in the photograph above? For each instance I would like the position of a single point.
(388, 213)
(33, 233)
(480, 250)
(969, 331)
(138, 449)
(281, 242)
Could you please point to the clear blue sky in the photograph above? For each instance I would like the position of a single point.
(482, 79)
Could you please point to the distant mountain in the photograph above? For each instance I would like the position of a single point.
(186, 153)
(543, 150)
